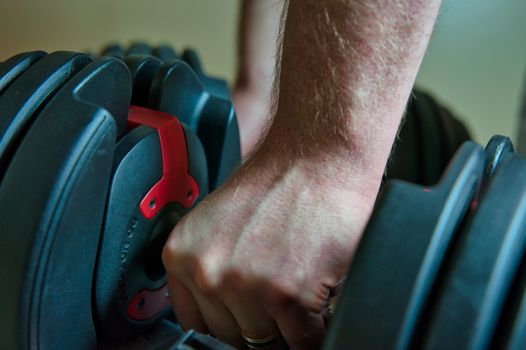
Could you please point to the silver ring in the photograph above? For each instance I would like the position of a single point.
(259, 343)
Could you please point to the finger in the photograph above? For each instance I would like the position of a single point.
(186, 309)
(247, 300)
(253, 320)
(218, 318)
(301, 329)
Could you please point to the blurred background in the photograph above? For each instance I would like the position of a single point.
(476, 63)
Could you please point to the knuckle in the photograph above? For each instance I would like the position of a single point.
(173, 245)
(204, 280)
(299, 294)
(177, 261)
(208, 272)
(285, 291)
(168, 256)
(175, 264)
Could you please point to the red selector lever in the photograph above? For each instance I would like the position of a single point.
(176, 184)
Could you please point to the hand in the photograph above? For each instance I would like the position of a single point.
(261, 255)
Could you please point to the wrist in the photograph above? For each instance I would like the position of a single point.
(276, 164)
(345, 162)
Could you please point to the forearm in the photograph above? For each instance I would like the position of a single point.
(346, 73)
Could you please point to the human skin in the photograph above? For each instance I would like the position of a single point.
(262, 253)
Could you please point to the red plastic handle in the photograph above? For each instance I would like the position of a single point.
(176, 184)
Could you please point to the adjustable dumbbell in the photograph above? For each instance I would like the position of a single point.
(91, 193)
(398, 259)
(444, 270)
(483, 261)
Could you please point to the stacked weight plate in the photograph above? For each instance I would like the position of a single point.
(445, 270)
(214, 86)
(162, 79)
(90, 188)
(171, 87)
(59, 127)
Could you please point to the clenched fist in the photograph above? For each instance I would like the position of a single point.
(260, 256)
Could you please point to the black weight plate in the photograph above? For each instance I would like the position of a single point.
(125, 231)
(113, 50)
(398, 258)
(51, 205)
(139, 49)
(428, 138)
(478, 275)
(215, 87)
(20, 102)
(177, 90)
(432, 160)
(143, 69)
(191, 57)
(197, 161)
(218, 131)
(496, 150)
(165, 53)
(455, 132)
(451, 132)
(112, 73)
(404, 161)
(511, 331)
(16, 65)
